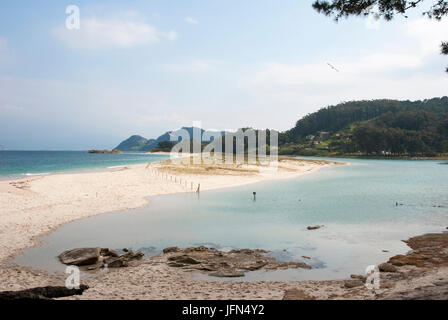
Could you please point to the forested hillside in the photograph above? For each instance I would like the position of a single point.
(377, 127)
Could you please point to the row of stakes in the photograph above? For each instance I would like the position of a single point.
(174, 179)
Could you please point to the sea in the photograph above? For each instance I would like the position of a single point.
(20, 164)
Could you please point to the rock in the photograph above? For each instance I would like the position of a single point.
(105, 252)
(359, 277)
(131, 256)
(313, 227)
(225, 264)
(171, 249)
(176, 264)
(226, 273)
(254, 265)
(353, 283)
(95, 258)
(80, 256)
(123, 260)
(198, 249)
(105, 151)
(184, 259)
(42, 293)
(116, 262)
(387, 285)
(387, 267)
(306, 257)
(412, 260)
(429, 250)
(297, 294)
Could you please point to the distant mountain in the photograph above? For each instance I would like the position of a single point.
(139, 143)
(133, 143)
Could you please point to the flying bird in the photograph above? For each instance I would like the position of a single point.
(332, 67)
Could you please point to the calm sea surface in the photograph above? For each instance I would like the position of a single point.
(17, 164)
(366, 208)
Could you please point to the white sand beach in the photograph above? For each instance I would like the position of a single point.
(36, 206)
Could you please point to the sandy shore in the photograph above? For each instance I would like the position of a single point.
(35, 206)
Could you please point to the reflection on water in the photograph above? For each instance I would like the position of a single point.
(357, 205)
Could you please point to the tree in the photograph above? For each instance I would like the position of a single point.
(385, 9)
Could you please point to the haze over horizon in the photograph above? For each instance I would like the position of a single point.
(147, 67)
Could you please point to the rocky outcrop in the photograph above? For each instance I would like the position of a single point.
(314, 227)
(387, 267)
(94, 258)
(225, 264)
(42, 293)
(429, 250)
(80, 256)
(353, 283)
(171, 249)
(115, 151)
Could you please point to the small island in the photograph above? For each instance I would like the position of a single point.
(105, 151)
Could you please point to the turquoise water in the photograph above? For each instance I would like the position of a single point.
(15, 164)
(357, 204)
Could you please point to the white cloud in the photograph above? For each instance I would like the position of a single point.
(194, 66)
(191, 20)
(429, 33)
(399, 74)
(106, 34)
(304, 87)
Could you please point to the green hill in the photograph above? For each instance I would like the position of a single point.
(376, 127)
(139, 143)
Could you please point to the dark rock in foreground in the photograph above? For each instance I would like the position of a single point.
(429, 250)
(80, 256)
(353, 283)
(42, 293)
(387, 267)
(94, 258)
(225, 264)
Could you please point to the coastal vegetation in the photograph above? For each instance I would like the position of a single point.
(374, 127)
(379, 128)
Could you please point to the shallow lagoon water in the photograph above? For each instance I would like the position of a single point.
(357, 204)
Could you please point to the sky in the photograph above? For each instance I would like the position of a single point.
(148, 66)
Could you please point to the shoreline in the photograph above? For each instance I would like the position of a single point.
(29, 175)
(421, 158)
(155, 280)
(93, 193)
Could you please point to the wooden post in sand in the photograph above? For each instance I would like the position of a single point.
(199, 188)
